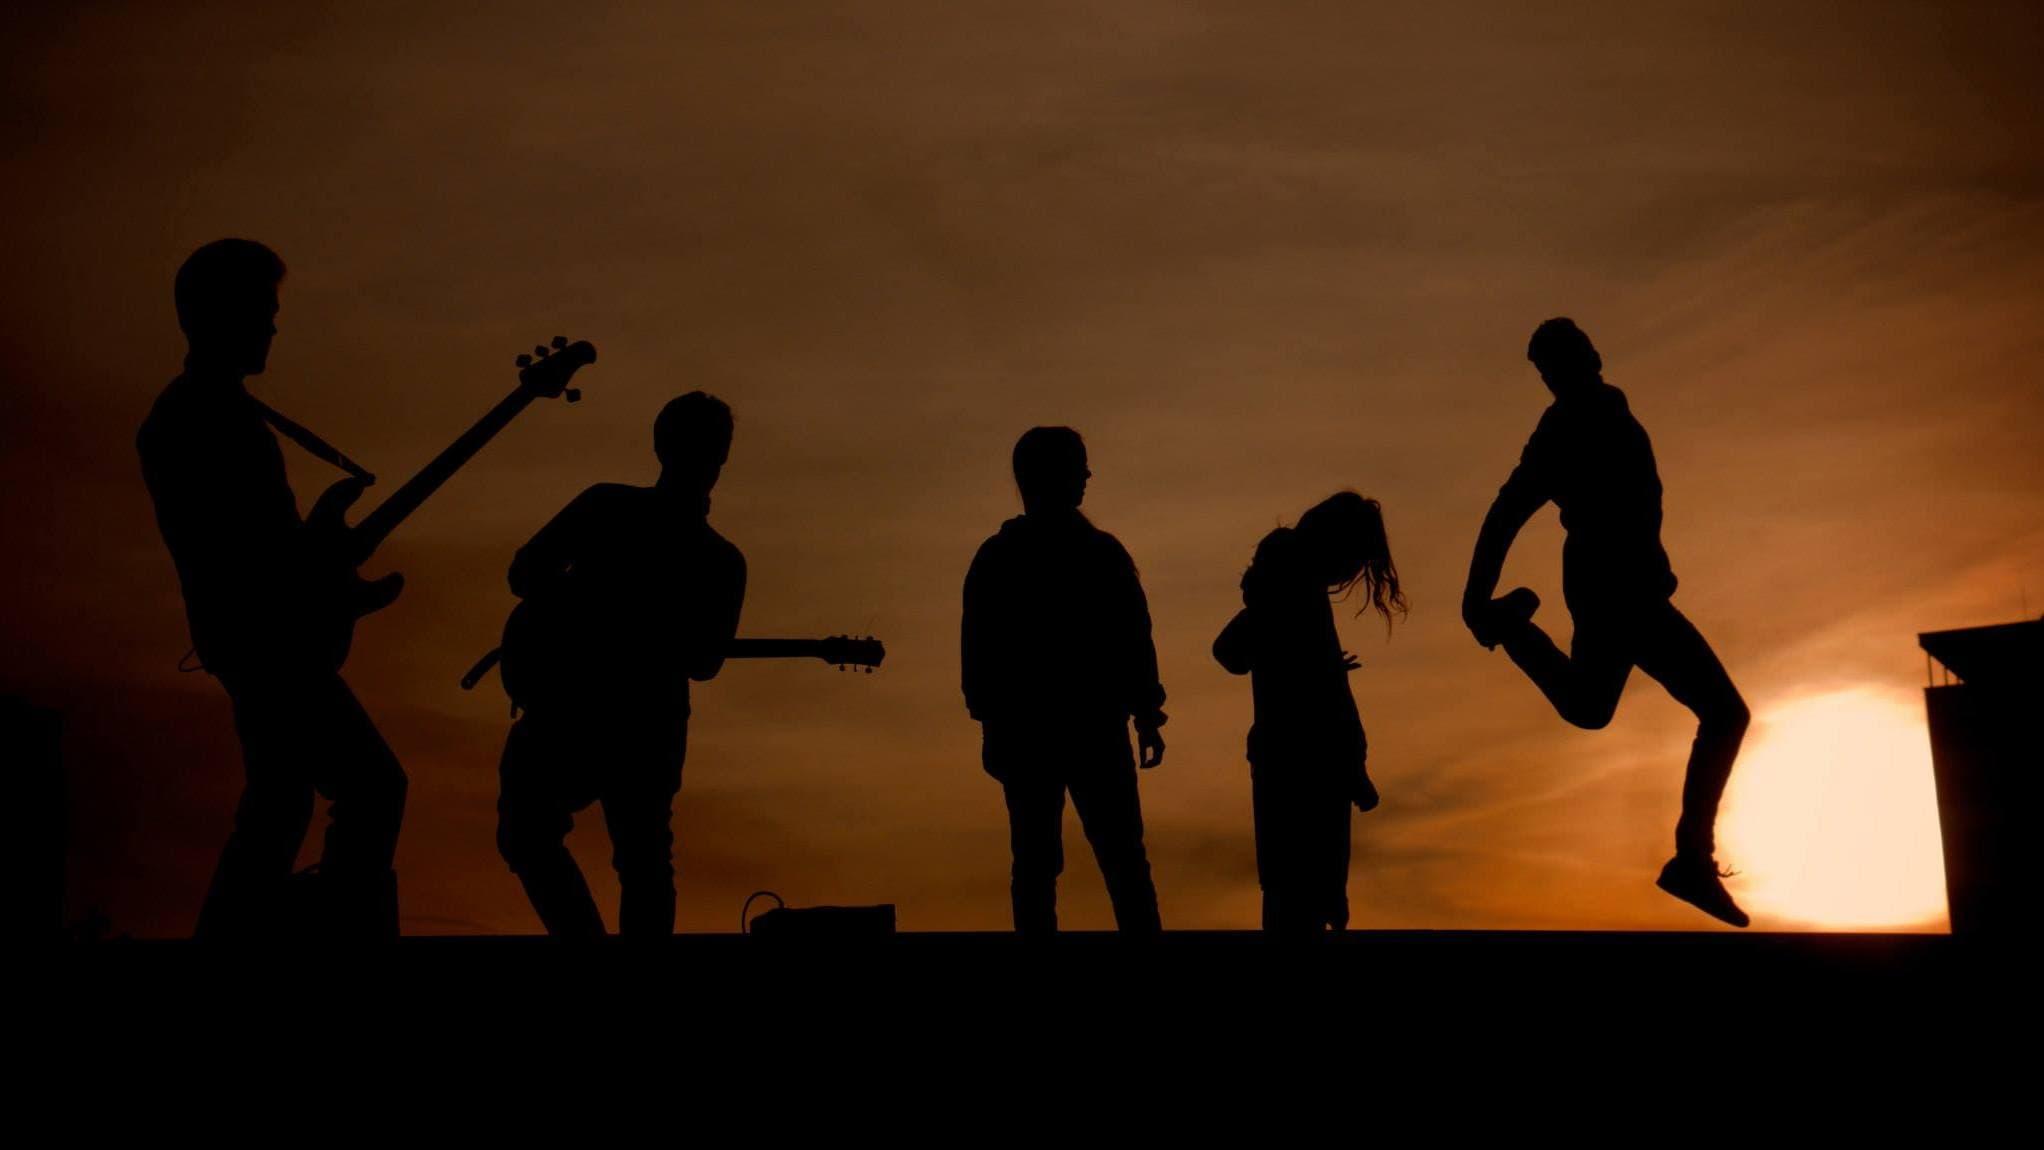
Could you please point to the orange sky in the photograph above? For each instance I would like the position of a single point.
(1255, 253)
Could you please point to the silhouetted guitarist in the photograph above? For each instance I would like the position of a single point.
(253, 584)
(629, 595)
(1593, 460)
(272, 601)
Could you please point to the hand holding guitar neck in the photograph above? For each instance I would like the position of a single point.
(542, 375)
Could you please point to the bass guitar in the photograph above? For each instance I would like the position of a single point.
(343, 548)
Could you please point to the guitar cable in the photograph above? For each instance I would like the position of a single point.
(745, 912)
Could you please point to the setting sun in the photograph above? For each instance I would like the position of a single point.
(1831, 816)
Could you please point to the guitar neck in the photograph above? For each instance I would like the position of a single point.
(376, 526)
(774, 649)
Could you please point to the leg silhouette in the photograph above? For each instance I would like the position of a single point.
(640, 814)
(1110, 809)
(534, 817)
(300, 737)
(1036, 812)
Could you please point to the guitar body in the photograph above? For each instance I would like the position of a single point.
(541, 662)
(343, 596)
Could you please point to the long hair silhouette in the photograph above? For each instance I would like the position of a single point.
(1350, 529)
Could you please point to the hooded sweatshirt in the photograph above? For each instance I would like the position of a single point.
(1056, 630)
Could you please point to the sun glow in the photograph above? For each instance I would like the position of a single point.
(1831, 817)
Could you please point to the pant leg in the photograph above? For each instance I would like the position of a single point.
(1584, 685)
(1328, 821)
(1277, 853)
(1036, 813)
(1302, 845)
(245, 899)
(1104, 789)
(357, 770)
(638, 808)
(1677, 656)
(535, 812)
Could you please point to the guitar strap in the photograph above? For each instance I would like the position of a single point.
(303, 437)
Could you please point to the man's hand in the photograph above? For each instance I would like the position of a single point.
(1150, 742)
(993, 754)
(1476, 615)
(1350, 662)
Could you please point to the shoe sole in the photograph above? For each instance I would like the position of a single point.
(1740, 922)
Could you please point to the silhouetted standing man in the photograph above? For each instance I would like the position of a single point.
(1057, 661)
(629, 595)
(258, 589)
(1593, 460)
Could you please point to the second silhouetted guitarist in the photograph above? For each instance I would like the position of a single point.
(629, 595)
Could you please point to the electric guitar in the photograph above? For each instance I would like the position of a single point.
(344, 547)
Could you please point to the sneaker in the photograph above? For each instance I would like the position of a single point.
(1514, 608)
(1698, 881)
(1505, 614)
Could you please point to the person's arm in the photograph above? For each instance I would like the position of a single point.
(714, 627)
(1523, 493)
(976, 656)
(1234, 647)
(552, 550)
(1146, 687)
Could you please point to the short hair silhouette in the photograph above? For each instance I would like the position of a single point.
(1559, 346)
(222, 281)
(693, 433)
(1050, 466)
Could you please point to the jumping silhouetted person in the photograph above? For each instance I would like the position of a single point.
(1057, 662)
(1593, 460)
(1308, 757)
(259, 590)
(629, 594)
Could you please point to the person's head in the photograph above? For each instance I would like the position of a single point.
(1344, 538)
(692, 437)
(1564, 356)
(1050, 469)
(227, 304)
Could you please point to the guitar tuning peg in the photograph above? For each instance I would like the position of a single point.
(540, 350)
(524, 361)
(572, 395)
(560, 341)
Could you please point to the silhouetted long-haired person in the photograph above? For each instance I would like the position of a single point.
(629, 595)
(1057, 661)
(259, 590)
(1308, 757)
(1593, 460)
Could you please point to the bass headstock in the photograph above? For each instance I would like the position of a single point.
(846, 651)
(546, 372)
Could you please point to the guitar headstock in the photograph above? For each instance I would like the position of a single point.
(845, 651)
(546, 372)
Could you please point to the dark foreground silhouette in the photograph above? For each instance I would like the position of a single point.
(262, 597)
(272, 601)
(1308, 755)
(1057, 660)
(629, 595)
(1593, 460)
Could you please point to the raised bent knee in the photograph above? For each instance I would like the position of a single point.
(1591, 717)
(522, 849)
(1732, 716)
